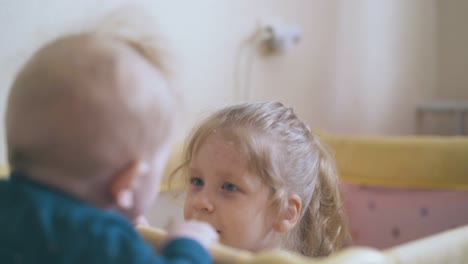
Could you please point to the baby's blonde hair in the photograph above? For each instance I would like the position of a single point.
(290, 159)
(119, 30)
(137, 29)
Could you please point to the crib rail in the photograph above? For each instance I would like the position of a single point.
(447, 247)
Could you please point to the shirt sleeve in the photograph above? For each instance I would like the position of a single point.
(186, 249)
(133, 249)
(120, 243)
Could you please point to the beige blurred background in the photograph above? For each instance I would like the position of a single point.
(361, 67)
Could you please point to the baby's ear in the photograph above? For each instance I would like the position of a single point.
(123, 183)
(290, 216)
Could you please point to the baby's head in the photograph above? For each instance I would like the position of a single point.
(92, 115)
(262, 179)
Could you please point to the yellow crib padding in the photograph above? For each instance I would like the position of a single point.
(447, 247)
(3, 171)
(420, 162)
(406, 161)
(174, 161)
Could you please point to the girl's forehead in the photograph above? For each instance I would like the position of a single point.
(223, 156)
(221, 149)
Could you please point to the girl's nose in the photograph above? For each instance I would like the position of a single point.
(203, 204)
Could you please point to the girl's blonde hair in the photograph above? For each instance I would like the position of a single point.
(283, 151)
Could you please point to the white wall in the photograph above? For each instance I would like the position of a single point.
(206, 39)
(384, 65)
(360, 68)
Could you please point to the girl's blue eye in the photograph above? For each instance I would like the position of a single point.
(196, 181)
(230, 187)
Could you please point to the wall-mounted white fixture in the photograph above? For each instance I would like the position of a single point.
(280, 37)
(268, 39)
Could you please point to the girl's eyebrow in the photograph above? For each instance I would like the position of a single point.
(227, 175)
(245, 181)
(193, 170)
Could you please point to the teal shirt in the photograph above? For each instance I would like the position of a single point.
(39, 224)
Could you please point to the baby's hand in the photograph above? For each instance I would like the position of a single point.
(201, 232)
(141, 221)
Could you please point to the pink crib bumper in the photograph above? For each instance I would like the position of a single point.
(382, 217)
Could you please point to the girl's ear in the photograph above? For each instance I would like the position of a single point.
(289, 218)
(123, 182)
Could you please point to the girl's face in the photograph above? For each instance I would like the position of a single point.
(223, 193)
